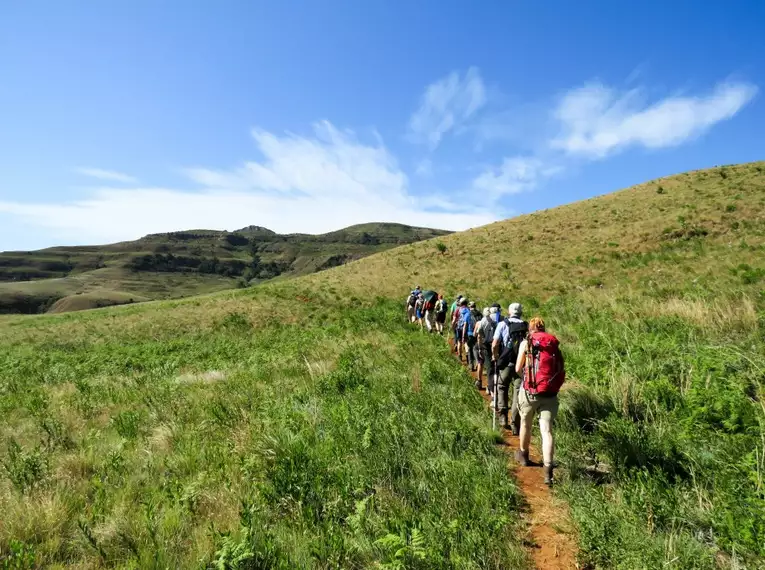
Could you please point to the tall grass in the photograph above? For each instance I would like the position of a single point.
(663, 431)
(255, 439)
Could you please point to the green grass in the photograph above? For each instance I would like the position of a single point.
(661, 433)
(131, 440)
(301, 424)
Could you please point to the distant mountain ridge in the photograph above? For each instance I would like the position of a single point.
(181, 263)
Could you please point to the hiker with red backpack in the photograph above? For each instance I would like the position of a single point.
(541, 363)
(508, 336)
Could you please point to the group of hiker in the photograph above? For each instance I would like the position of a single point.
(426, 309)
(508, 352)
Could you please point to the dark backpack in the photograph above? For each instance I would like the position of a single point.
(509, 355)
(411, 300)
(544, 373)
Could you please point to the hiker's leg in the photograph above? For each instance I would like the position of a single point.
(526, 410)
(548, 410)
(515, 414)
(502, 394)
(548, 444)
(471, 352)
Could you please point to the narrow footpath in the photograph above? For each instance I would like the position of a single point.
(550, 530)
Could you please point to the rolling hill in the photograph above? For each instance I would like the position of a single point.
(690, 229)
(303, 424)
(178, 264)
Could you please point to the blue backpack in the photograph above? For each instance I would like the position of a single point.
(468, 319)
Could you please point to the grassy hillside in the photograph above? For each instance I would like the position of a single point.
(178, 264)
(695, 229)
(658, 294)
(302, 424)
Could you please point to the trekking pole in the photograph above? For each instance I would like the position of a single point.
(494, 411)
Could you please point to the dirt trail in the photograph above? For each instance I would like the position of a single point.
(551, 533)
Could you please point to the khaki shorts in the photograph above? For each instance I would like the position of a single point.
(529, 404)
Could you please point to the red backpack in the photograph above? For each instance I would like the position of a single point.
(544, 373)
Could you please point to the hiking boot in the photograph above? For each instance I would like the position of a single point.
(514, 430)
(522, 458)
(549, 475)
(503, 420)
(478, 385)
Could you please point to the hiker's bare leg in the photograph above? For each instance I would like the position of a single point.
(548, 442)
(525, 437)
(527, 417)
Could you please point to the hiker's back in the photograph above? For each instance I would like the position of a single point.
(486, 330)
(517, 331)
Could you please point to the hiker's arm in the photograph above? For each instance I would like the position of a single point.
(519, 364)
(495, 342)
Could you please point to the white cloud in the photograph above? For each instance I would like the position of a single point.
(515, 175)
(445, 105)
(109, 175)
(302, 184)
(596, 120)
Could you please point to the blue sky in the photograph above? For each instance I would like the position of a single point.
(128, 117)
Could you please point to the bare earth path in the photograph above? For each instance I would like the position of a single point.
(551, 533)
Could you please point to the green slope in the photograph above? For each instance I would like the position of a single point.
(184, 263)
(303, 424)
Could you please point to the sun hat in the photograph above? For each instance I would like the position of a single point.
(515, 310)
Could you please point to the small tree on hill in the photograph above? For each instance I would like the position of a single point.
(441, 247)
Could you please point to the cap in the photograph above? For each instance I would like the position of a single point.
(515, 310)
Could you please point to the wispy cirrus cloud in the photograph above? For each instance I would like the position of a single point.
(596, 121)
(308, 184)
(108, 175)
(514, 175)
(446, 105)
